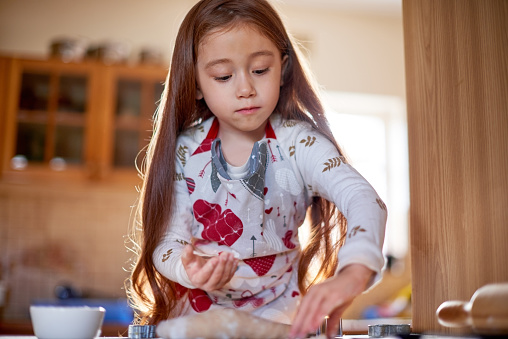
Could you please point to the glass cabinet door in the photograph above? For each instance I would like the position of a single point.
(51, 118)
(70, 119)
(86, 118)
(136, 102)
(33, 116)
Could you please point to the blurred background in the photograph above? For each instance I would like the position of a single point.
(79, 82)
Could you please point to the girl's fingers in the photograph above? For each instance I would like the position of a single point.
(217, 273)
(234, 268)
(309, 316)
(331, 298)
(322, 300)
(333, 322)
(228, 269)
(202, 276)
(223, 271)
(209, 274)
(316, 316)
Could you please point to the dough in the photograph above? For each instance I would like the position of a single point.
(223, 324)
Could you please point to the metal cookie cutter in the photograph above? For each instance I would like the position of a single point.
(141, 331)
(322, 329)
(380, 331)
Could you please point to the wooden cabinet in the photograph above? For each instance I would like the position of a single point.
(86, 118)
(457, 95)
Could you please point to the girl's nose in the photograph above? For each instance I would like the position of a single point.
(245, 87)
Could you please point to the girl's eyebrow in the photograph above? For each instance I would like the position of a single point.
(261, 53)
(226, 60)
(217, 62)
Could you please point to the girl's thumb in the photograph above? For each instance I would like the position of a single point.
(187, 255)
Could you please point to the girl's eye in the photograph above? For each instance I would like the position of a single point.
(223, 78)
(261, 71)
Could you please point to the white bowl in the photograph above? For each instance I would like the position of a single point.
(67, 322)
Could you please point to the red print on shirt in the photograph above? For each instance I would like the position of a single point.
(199, 300)
(287, 240)
(223, 227)
(260, 265)
(248, 298)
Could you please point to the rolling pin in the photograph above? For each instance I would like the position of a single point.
(486, 312)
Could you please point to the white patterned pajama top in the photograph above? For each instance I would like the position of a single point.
(257, 217)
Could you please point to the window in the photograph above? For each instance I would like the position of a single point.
(372, 131)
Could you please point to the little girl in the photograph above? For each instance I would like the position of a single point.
(241, 151)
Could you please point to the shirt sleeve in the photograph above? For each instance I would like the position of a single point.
(327, 175)
(167, 255)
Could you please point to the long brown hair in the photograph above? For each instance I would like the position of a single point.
(154, 297)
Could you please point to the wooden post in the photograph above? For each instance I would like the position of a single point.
(456, 54)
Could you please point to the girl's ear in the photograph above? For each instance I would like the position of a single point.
(199, 94)
(283, 69)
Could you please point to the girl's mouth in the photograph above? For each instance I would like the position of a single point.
(247, 110)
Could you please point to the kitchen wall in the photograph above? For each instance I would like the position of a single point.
(349, 51)
(62, 233)
(74, 231)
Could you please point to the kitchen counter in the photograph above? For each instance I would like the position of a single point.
(345, 337)
(352, 329)
(34, 337)
(24, 328)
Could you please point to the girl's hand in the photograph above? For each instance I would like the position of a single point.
(209, 274)
(330, 298)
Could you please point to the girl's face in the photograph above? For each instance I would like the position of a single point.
(239, 74)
